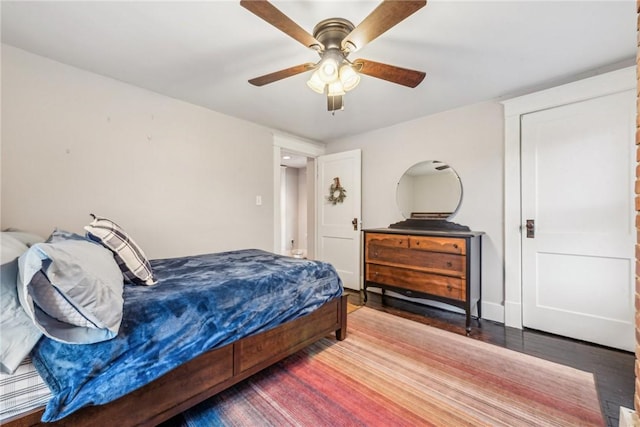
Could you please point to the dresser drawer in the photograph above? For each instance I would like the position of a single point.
(434, 262)
(387, 240)
(438, 244)
(417, 281)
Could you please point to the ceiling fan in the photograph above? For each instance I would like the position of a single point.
(334, 39)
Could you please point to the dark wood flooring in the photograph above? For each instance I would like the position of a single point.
(613, 369)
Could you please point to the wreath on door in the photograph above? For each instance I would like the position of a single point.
(337, 193)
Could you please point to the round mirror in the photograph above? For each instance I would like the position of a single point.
(429, 190)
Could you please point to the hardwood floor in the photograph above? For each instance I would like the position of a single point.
(613, 369)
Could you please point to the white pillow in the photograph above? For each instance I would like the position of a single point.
(10, 247)
(18, 334)
(132, 261)
(25, 237)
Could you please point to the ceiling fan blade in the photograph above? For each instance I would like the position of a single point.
(386, 15)
(268, 12)
(390, 73)
(282, 74)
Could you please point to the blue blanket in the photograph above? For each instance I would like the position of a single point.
(200, 303)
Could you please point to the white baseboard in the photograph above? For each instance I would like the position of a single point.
(628, 418)
(493, 311)
(513, 314)
(423, 301)
(490, 310)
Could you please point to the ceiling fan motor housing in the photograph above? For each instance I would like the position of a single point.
(330, 32)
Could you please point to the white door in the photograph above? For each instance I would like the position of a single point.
(577, 187)
(339, 218)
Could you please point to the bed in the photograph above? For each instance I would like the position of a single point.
(191, 359)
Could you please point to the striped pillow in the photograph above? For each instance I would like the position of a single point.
(131, 260)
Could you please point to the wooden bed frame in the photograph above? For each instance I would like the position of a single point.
(206, 375)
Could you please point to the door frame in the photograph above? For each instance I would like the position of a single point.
(299, 146)
(592, 87)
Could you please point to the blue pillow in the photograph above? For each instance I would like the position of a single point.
(58, 235)
(72, 290)
(18, 334)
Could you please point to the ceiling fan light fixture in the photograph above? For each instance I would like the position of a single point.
(349, 77)
(328, 70)
(330, 65)
(335, 89)
(315, 83)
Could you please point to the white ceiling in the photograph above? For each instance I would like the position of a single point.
(204, 52)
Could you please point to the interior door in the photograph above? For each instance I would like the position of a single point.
(339, 218)
(578, 231)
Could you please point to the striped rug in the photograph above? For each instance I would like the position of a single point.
(392, 371)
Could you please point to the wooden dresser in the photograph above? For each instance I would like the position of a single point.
(438, 265)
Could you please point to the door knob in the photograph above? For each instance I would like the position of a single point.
(531, 229)
(355, 224)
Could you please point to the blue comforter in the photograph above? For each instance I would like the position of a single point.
(200, 303)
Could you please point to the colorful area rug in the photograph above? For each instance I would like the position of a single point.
(392, 371)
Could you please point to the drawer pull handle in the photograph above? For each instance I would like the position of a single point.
(449, 288)
(449, 264)
(399, 242)
(455, 245)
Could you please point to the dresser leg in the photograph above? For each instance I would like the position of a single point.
(468, 321)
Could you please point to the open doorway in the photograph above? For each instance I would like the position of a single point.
(294, 197)
(299, 170)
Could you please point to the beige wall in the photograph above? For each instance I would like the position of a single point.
(181, 179)
(471, 140)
